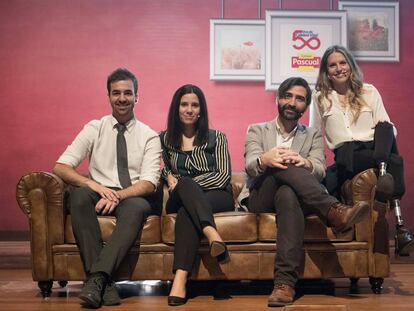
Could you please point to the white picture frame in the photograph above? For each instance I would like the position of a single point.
(296, 41)
(373, 30)
(237, 49)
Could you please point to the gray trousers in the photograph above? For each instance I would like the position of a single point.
(291, 194)
(131, 214)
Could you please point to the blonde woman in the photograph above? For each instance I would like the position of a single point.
(360, 133)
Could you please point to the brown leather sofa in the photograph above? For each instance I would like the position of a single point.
(363, 252)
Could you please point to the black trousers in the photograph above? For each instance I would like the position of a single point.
(130, 213)
(292, 194)
(195, 208)
(355, 157)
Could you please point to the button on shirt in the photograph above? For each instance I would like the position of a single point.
(338, 121)
(97, 142)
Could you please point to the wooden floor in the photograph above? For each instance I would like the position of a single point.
(19, 292)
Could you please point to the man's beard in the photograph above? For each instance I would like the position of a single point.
(295, 113)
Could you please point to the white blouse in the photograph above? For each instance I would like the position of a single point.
(338, 121)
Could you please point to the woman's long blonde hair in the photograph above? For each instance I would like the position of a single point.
(324, 84)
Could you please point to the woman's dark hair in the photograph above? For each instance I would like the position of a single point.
(174, 126)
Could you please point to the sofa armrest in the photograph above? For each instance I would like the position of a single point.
(362, 188)
(41, 197)
(375, 229)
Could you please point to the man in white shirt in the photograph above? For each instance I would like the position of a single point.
(285, 163)
(124, 169)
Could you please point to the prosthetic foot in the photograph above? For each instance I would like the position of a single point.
(404, 241)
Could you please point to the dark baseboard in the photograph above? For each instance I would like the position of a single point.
(15, 235)
(15, 255)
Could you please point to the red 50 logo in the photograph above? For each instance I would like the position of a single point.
(313, 42)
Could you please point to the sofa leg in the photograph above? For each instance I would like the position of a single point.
(63, 284)
(376, 284)
(45, 288)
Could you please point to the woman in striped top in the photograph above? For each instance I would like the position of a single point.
(197, 172)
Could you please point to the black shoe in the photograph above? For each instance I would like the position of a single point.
(404, 242)
(385, 188)
(219, 250)
(91, 293)
(176, 301)
(110, 295)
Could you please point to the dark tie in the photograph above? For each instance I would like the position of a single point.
(122, 157)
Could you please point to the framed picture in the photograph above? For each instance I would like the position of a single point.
(296, 41)
(237, 49)
(373, 30)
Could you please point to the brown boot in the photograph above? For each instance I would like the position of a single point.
(342, 217)
(282, 295)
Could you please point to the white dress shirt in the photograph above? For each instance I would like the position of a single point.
(97, 142)
(338, 121)
(284, 139)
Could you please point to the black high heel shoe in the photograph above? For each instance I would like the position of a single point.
(219, 250)
(174, 301)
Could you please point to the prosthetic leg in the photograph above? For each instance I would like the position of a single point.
(385, 147)
(404, 240)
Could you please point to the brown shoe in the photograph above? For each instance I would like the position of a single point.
(282, 295)
(342, 217)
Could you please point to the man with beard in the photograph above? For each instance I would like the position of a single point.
(124, 168)
(285, 163)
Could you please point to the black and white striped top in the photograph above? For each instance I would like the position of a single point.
(208, 164)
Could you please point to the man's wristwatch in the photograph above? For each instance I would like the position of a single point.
(259, 161)
(259, 164)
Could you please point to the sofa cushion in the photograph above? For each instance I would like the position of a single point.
(315, 230)
(238, 181)
(234, 227)
(150, 234)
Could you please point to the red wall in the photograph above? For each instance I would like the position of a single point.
(55, 56)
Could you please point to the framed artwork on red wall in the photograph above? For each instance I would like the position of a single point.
(296, 41)
(237, 49)
(373, 30)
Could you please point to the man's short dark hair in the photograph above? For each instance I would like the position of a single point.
(121, 74)
(295, 81)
